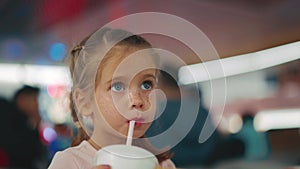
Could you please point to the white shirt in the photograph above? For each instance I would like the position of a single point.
(81, 157)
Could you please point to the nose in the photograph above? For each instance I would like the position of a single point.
(136, 101)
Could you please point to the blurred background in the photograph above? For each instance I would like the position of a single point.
(261, 119)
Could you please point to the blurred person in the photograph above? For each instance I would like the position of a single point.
(256, 143)
(189, 152)
(20, 122)
(5, 120)
(26, 101)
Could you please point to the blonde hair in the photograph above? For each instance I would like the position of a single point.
(129, 41)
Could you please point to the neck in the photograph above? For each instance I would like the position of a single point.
(95, 145)
(98, 144)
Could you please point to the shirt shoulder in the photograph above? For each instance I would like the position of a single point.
(62, 160)
(168, 164)
(79, 157)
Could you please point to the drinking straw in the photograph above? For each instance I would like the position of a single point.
(130, 133)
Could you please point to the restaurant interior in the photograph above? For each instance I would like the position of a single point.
(247, 73)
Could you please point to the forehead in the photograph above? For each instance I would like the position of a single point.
(129, 62)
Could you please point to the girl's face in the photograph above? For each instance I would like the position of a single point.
(124, 93)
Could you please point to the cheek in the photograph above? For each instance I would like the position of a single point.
(107, 108)
(151, 99)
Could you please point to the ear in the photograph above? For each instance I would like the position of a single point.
(81, 103)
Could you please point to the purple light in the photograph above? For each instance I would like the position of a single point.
(49, 134)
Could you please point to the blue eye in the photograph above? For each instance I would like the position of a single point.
(147, 85)
(118, 87)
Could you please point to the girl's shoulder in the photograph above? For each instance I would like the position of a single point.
(73, 157)
(63, 159)
(83, 150)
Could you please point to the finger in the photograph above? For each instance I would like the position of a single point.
(102, 167)
(159, 167)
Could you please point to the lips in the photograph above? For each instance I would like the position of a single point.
(138, 122)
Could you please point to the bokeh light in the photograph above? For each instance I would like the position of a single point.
(49, 134)
(13, 48)
(235, 123)
(57, 51)
(55, 91)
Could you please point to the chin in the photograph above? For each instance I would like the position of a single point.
(138, 134)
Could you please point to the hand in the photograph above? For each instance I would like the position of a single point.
(108, 167)
(101, 167)
(159, 167)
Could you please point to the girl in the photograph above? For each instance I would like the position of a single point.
(114, 77)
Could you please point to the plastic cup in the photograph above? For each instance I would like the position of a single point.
(125, 157)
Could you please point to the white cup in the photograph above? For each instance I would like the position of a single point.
(125, 157)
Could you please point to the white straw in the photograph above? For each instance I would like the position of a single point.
(130, 133)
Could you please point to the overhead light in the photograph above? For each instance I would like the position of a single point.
(34, 74)
(239, 64)
(277, 119)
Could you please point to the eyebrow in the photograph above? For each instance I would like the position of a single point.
(121, 78)
(148, 75)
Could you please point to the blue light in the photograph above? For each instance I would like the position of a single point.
(14, 48)
(57, 51)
